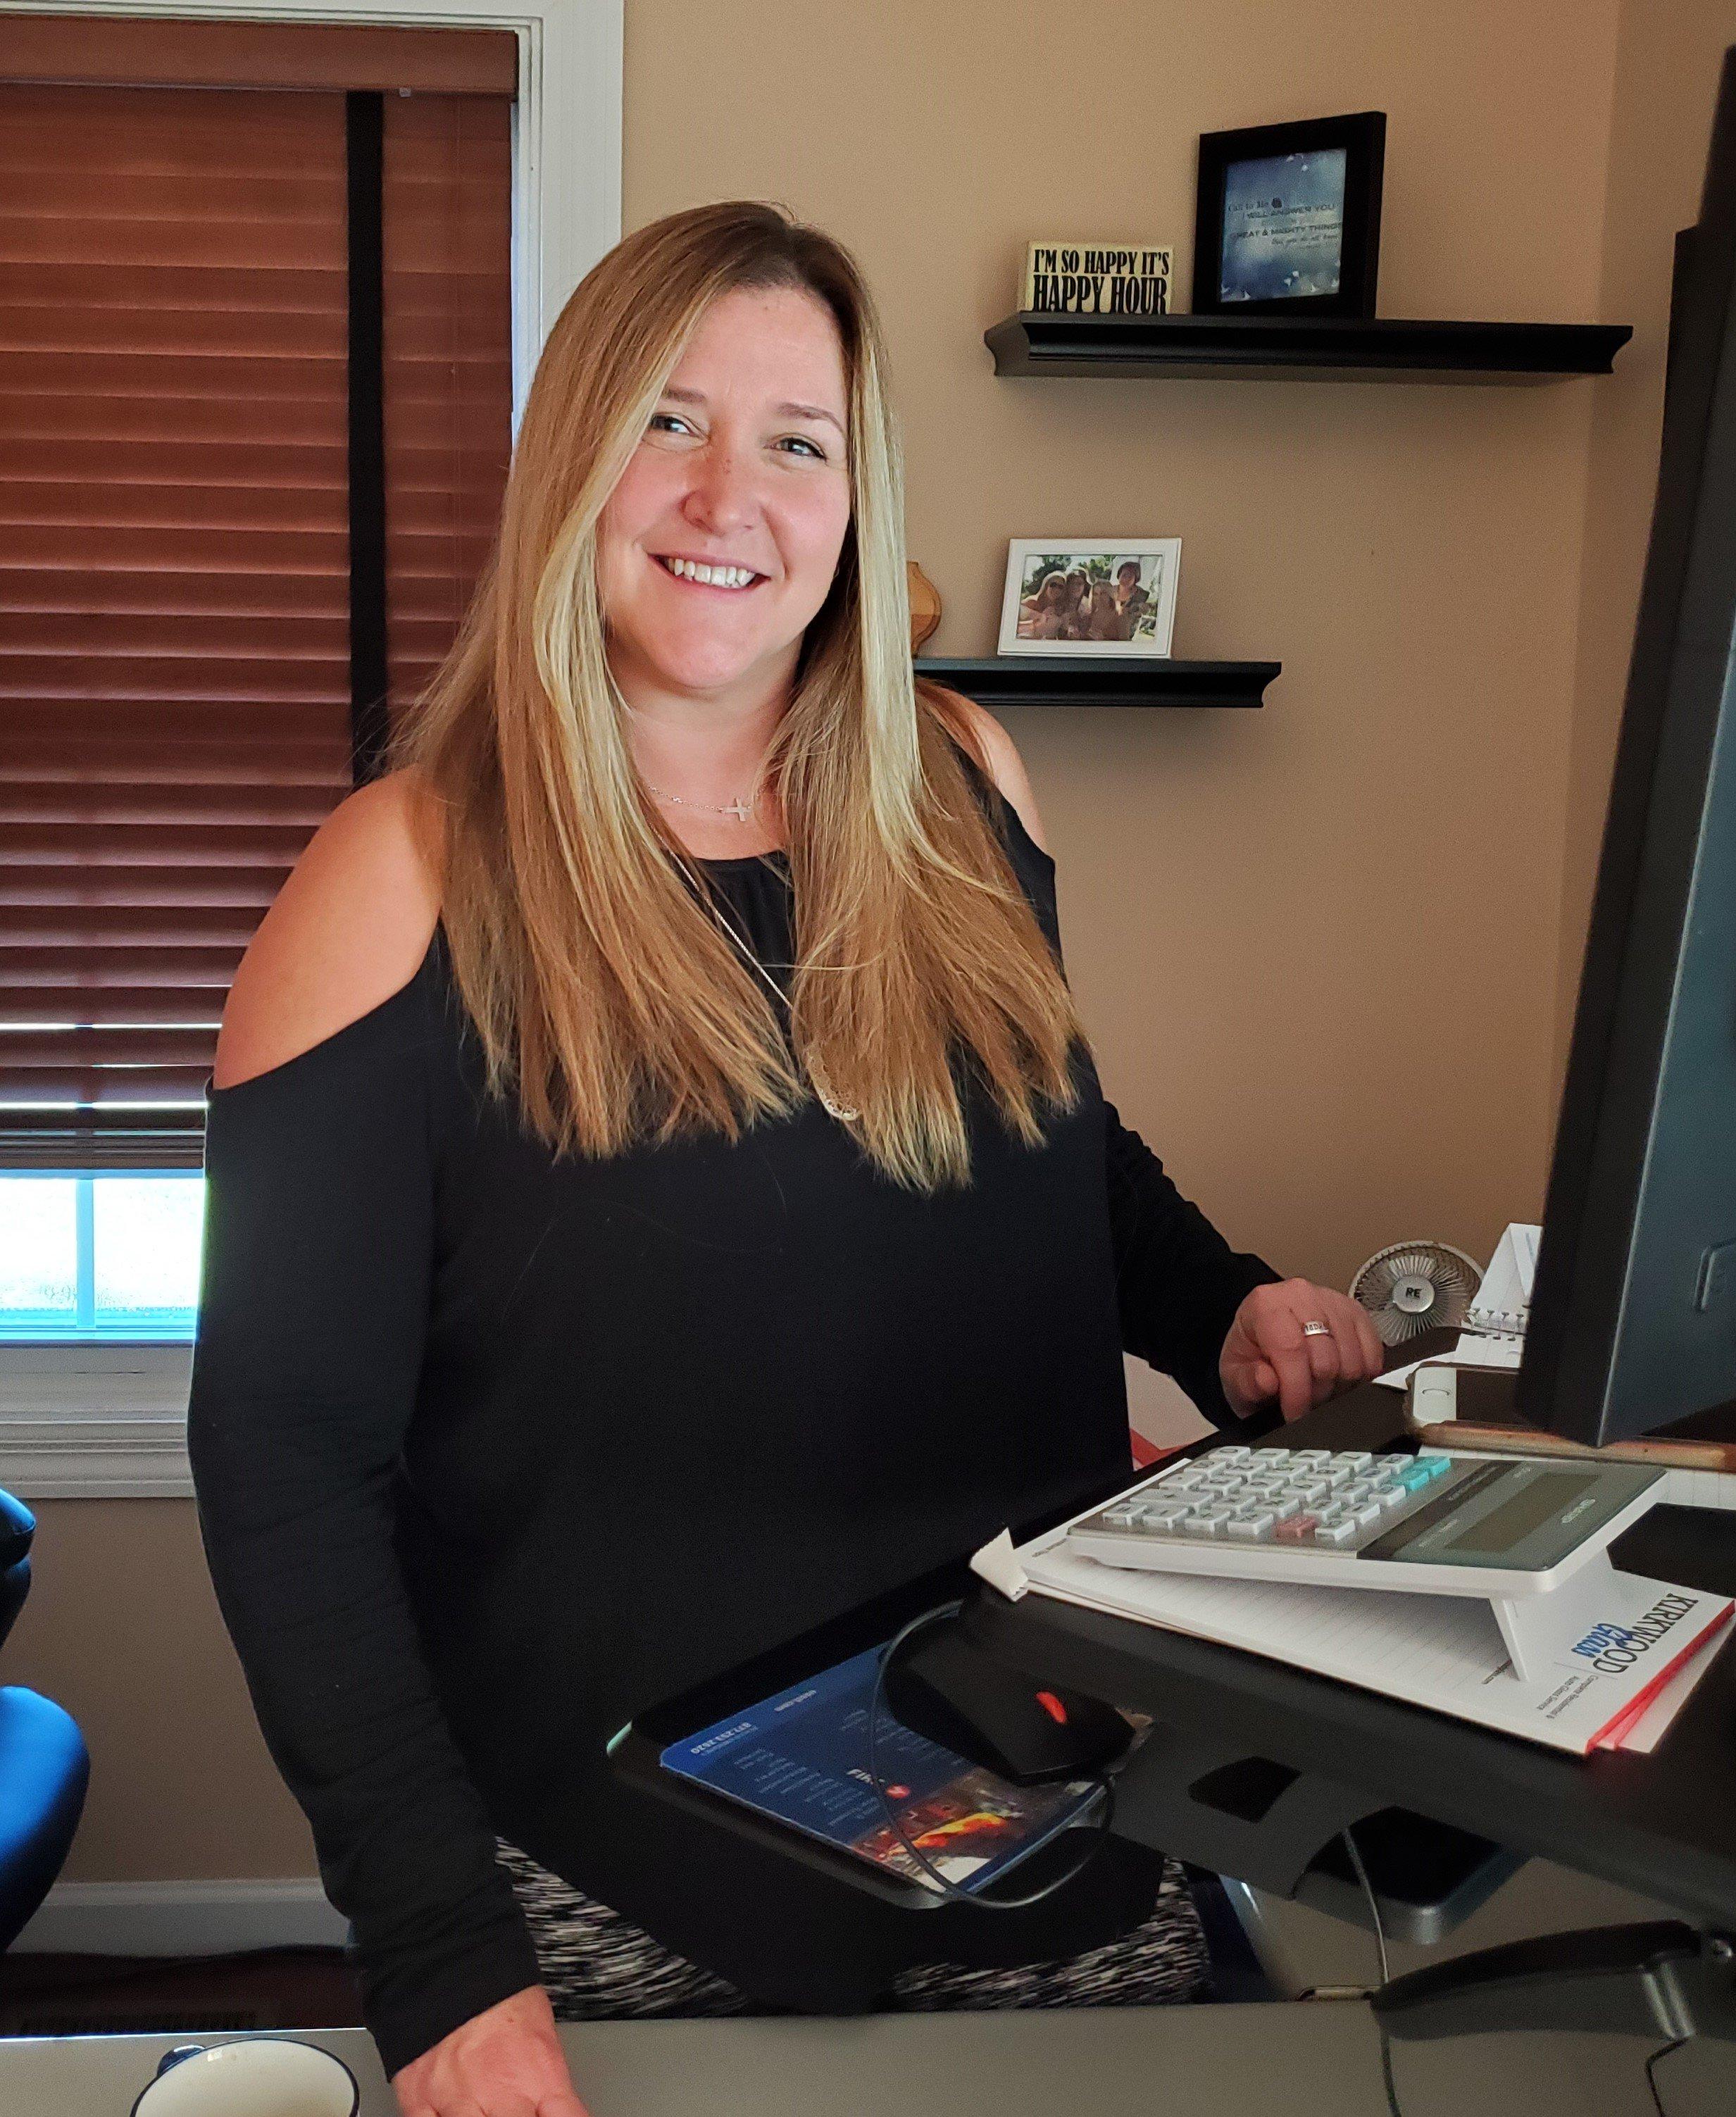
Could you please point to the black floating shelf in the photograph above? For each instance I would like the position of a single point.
(1302, 348)
(1086, 680)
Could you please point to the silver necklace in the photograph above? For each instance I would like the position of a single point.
(827, 1103)
(742, 811)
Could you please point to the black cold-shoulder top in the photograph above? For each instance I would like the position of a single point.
(492, 1451)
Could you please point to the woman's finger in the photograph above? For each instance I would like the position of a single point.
(1281, 1343)
(1375, 1353)
(1325, 1357)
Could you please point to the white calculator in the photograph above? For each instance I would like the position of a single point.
(1437, 1522)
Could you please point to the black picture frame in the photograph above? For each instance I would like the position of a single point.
(1362, 135)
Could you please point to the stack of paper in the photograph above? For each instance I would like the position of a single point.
(1602, 1686)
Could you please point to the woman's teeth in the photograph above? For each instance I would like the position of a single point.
(717, 576)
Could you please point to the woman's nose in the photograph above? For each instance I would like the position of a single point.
(720, 497)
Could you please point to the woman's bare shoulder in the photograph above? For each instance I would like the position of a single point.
(994, 750)
(348, 928)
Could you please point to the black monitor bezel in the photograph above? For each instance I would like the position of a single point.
(1568, 1380)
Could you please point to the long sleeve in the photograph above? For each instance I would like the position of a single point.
(1179, 1283)
(317, 1267)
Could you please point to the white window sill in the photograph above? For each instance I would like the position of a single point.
(94, 1422)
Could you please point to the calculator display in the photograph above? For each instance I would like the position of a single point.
(1528, 1516)
(1528, 1508)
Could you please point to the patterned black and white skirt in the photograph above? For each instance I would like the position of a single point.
(597, 1966)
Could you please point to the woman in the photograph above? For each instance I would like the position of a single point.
(1040, 614)
(1130, 598)
(1099, 619)
(648, 1119)
(1075, 591)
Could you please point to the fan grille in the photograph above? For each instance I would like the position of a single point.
(1416, 1286)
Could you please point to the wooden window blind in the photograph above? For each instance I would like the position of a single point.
(255, 421)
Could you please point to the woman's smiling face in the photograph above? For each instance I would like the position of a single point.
(742, 465)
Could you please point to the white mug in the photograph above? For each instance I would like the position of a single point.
(253, 2076)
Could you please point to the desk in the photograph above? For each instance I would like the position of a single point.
(1663, 1825)
(1314, 2060)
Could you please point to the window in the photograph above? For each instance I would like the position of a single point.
(256, 395)
(91, 1419)
(100, 1258)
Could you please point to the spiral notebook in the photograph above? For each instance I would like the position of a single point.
(1502, 1305)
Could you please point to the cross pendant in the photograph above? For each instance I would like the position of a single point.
(739, 809)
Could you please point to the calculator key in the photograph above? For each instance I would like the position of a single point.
(1252, 1527)
(1354, 1459)
(1311, 1455)
(1333, 1533)
(1367, 1513)
(1234, 1455)
(1436, 1466)
(1124, 1516)
(1311, 1490)
(1285, 1505)
(1296, 1528)
(1164, 1518)
(1209, 1520)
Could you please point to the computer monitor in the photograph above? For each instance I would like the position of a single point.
(1633, 1314)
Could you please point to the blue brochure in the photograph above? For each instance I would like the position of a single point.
(802, 1759)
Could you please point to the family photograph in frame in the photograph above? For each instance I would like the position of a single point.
(1098, 598)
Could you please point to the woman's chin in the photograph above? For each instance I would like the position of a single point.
(707, 666)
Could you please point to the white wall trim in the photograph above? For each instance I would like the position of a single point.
(180, 1918)
(566, 183)
(94, 1422)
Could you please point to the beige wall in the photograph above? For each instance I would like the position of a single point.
(1317, 944)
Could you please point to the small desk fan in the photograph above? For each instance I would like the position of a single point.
(1412, 1287)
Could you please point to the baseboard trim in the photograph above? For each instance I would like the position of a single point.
(180, 1918)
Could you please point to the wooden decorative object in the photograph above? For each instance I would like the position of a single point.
(924, 605)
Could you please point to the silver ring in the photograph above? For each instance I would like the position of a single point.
(1317, 1330)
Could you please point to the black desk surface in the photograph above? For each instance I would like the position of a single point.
(1664, 1825)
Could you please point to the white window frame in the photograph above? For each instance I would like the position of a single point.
(109, 1422)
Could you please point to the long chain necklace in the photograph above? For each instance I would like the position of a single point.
(822, 1087)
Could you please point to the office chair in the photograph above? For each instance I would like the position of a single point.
(45, 1766)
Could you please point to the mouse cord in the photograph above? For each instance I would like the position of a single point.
(946, 1885)
(1380, 1937)
(1662, 2052)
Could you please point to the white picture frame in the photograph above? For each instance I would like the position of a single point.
(1102, 633)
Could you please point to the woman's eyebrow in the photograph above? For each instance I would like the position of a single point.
(798, 411)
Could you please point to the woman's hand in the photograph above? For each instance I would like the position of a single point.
(1268, 1354)
(506, 2062)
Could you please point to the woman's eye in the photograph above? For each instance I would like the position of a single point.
(667, 418)
(819, 454)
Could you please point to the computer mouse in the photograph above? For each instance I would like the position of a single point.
(996, 1716)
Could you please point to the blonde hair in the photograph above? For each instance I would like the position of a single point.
(599, 984)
